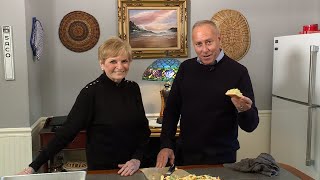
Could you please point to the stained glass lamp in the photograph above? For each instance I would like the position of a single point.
(163, 69)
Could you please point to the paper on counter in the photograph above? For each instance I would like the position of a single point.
(155, 173)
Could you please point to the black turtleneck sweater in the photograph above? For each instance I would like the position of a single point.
(114, 119)
(209, 120)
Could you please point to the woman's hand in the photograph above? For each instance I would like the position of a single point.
(129, 168)
(28, 170)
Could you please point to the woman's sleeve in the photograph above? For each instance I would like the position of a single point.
(76, 121)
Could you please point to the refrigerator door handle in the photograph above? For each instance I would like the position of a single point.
(312, 73)
(309, 161)
(311, 88)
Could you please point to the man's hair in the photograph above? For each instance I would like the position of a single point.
(206, 22)
(114, 47)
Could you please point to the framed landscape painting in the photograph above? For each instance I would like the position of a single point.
(154, 28)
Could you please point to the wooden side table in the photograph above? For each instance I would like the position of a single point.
(46, 134)
(79, 143)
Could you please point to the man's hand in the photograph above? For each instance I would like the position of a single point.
(129, 168)
(241, 103)
(163, 157)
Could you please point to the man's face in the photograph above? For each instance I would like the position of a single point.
(206, 42)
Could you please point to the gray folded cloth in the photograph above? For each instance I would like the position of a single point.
(263, 164)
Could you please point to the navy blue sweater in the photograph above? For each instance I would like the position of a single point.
(209, 120)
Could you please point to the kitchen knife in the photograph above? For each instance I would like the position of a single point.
(170, 171)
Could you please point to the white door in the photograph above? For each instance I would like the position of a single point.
(289, 136)
(291, 63)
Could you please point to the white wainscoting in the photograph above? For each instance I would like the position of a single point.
(258, 141)
(15, 150)
(17, 146)
(36, 127)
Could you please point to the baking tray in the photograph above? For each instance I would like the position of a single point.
(76, 175)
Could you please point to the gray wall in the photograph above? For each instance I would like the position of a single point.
(54, 82)
(14, 99)
(33, 9)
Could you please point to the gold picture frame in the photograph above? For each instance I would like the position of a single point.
(154, 28)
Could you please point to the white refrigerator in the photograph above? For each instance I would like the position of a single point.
(295, 123)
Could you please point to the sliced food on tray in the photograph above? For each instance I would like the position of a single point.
(190, 177)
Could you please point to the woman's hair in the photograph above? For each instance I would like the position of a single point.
(114, 47)
(207, 22)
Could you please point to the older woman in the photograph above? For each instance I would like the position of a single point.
(110, 109)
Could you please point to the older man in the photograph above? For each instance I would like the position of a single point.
(209, 119)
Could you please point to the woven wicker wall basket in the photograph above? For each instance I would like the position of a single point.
(79, 31)
(235, 33)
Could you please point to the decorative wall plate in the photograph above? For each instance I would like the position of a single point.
(79, 31)
(235, 33)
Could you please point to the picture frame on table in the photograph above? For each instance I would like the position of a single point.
(154, 28)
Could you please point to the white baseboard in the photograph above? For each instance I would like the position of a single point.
(258, 141)
(17, 146)
(36, 127)
(16, 150)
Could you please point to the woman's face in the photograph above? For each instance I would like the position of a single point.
(116, 68)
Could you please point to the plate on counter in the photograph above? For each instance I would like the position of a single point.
(153, 123)
(75, 166)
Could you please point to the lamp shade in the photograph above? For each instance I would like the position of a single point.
(163, 69)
